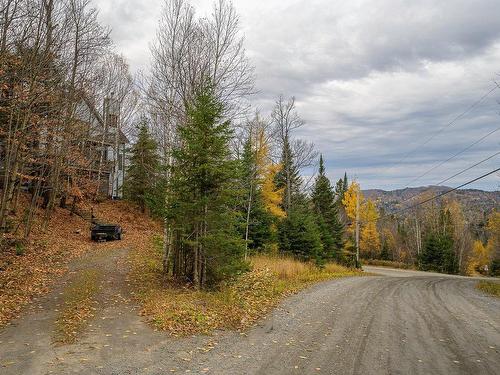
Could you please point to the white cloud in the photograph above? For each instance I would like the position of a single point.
(372, 79)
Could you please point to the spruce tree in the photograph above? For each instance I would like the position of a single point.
(207, 246)
(260, 232)
(248, 164)
(323, 199)
(322, 195)
(430, 258)
(341, 187)
(288, 179)
(437, 254)
(299, 236)
(384, 253)
(142, 173)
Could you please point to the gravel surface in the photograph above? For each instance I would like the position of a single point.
(401, 322)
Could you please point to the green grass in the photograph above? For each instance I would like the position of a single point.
(78, 306)
(490, 287)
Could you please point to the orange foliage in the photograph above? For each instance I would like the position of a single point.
(46, 255)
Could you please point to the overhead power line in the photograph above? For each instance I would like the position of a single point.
(451, 123)
(453, 176)
(452, 157)
(468, 168)
(446, 192)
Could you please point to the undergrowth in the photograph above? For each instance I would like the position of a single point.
(490, 287)
(388, 263)
(236, 304)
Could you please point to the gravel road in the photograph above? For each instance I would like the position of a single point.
(404, 322)
(401, 322)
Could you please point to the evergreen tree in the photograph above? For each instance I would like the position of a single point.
(450, 260)
(260, 232)
(140, 182)
(207, 246)
(388, 245)
(331, 229)
(430, 257)
(437, 254)
(322, 195)
(329, 250)
(341, 187)
(288, 179)
(299, 236)
(384, 253)
(248, 164)
(257, 226)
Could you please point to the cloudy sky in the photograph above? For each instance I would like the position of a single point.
(388, 89)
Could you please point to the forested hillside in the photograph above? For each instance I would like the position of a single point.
(477, 204)
(226, 179)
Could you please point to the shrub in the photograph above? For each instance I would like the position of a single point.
(20, 249)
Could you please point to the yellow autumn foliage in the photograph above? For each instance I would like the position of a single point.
(266, 172)
(349, 200)
(494, 233)
(368, 212)
(483, 255)
(271, 196)
(369, 242)
(480, 259)
(389, 239)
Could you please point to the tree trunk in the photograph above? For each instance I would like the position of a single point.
(249, 208)
(167, 247)
(196, 260)
(203, 260)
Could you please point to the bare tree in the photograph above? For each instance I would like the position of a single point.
(294, 153)
(188, 54)
(49, 53)
(87, 40)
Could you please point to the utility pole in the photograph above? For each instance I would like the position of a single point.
(357, 228)
(419, 241)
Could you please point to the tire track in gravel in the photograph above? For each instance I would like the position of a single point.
(401, 322)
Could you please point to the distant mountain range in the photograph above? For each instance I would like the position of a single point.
(476, 203)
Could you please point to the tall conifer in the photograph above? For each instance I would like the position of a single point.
(142, 172)
(323, 199)
(289, 179)
(207, 245)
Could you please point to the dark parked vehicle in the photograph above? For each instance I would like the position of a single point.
(106, 232)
